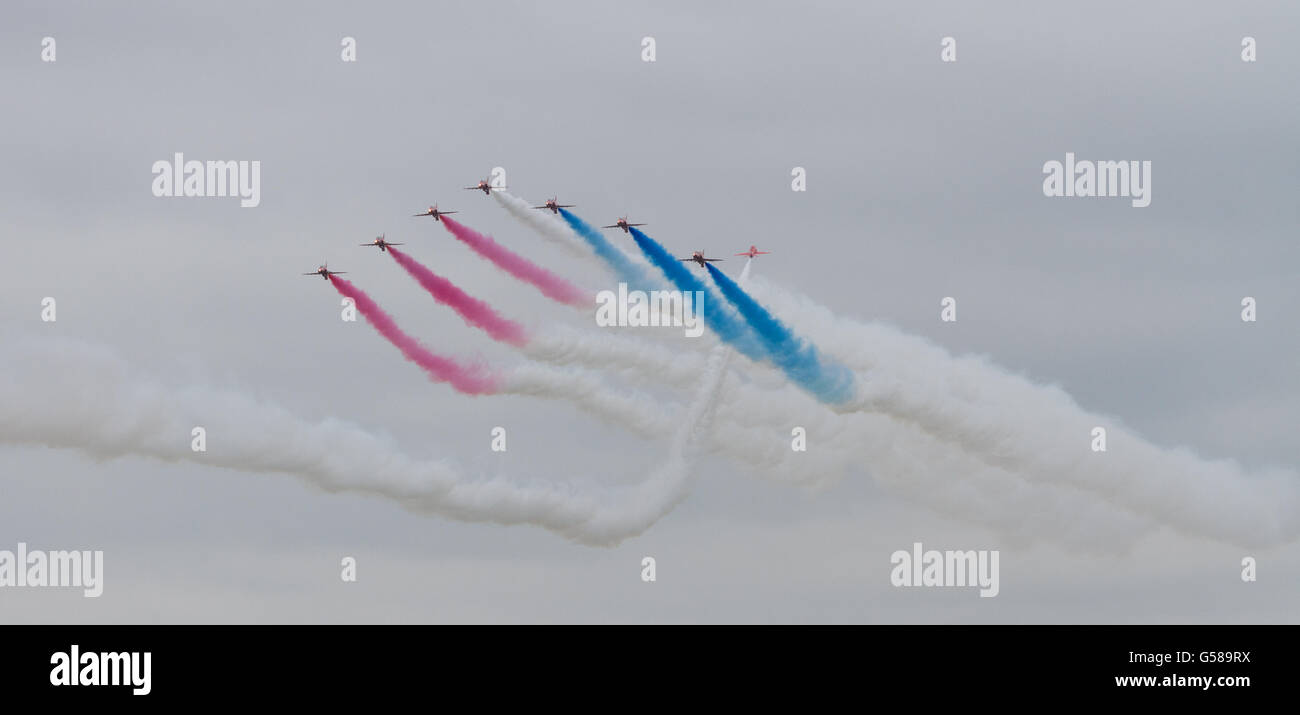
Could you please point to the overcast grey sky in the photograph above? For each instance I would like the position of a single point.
(924, 181)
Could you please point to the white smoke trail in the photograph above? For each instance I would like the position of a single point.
(611, 351)
(754, 428)
(636, 412)
(1041, 434)
(545, 224)
(676, 471)
(639, 413)
(67, 394)
(670, 482)
(900, 456)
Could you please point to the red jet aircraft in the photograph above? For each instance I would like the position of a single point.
(554, 207)
(324, 272)
(623, 224)
(435, 213)
(483, 186)
(699, 258)
(382, 244)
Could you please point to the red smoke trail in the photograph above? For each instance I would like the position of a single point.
(470, 380)
(551, 285)
(474, 311)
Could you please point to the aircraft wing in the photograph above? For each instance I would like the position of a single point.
(715, 259)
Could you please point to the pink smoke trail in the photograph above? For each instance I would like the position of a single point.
(469, 380)
(475, 312)
(551, 285)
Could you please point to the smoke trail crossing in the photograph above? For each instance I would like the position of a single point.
(475, 312)
(829, 381)
(716, 314)
(636, 412)
(674, 476)
(610, 351)
(551, 285)
(469, 380)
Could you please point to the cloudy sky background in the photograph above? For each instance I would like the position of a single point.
(924, 181)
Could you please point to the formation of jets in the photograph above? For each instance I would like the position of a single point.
(435, 213)
(623, 224)
(381, 243)
(553, 205)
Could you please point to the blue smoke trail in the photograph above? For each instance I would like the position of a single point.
(827, 381)
(627, 271)
(717, 315)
